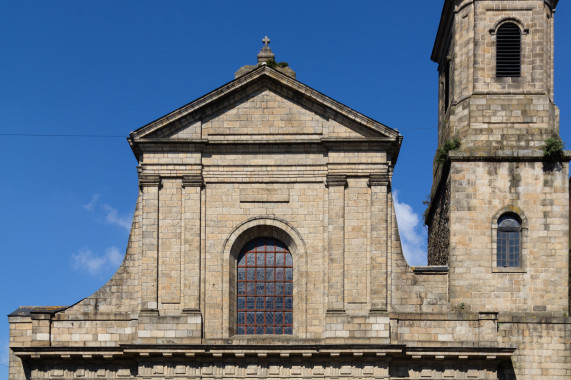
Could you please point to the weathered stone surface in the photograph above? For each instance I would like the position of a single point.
(502, 122)
(438, 221)
(266, 156)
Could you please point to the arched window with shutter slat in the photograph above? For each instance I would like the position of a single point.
(508, 50)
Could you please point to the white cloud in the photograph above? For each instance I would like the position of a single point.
(94, 264)
(112, 217)
(91, 204)
(412, 233)
(114, 256)
(86, 260)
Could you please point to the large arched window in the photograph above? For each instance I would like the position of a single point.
(509, 241)
(508, 50)
(264, 288)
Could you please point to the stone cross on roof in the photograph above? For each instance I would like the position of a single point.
(265, 54)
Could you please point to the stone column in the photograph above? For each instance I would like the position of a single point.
(336, 242)
(150, 236)
(379, 231)
(191, 222)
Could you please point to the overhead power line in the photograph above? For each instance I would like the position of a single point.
(124, 136)
(59, 135)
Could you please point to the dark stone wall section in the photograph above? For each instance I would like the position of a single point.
(438, 226)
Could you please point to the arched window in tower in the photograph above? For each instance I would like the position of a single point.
(508, 50)
(264, 288)
(509, 241)
(446, 85)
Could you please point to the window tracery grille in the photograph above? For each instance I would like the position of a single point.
(265, 288)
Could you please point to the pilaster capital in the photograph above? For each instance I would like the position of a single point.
(379, 179)
(336, 180)
(149, 180)
(195, 180)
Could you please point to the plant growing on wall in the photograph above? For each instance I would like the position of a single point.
(553, 149)
(458, 308)
(273, 64)
(442, 152)
(426, 202)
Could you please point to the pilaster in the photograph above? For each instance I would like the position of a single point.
(192, 194)
(336, 241)
(150, 235)
(378, 279)
(170, 249)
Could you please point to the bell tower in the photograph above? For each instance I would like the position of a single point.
(498, 215)
(495, 65)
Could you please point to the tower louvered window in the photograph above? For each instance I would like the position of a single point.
(265, 288)
(508, 51)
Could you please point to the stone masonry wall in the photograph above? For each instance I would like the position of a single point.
(414, 290)
(177, 282)
(535, 19)
(264, 113)
(480, 193)
(488, 112)
(20, 336)
(543, 342)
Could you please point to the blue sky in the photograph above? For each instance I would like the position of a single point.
(105, 68)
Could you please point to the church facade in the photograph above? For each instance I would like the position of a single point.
(265, 244)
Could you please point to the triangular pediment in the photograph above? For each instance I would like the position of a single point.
(264, 104)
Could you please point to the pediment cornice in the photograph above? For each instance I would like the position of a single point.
(263, 73)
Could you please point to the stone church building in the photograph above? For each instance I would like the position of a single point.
(265, 244)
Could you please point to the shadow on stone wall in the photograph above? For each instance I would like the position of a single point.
(506, 371)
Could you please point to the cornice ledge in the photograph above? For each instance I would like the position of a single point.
(195, 180)
(430, 269)
(534, 318)
(186, 109)
(455, 351)
(336, 106)
(263, 70)
(359, 140)
(166, 140)
(379, 180)
(502, 155)
(335, 180)
(426, 316)
(285, 351)
(146, 180)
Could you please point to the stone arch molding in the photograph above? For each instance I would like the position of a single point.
(509, 209)
(264, 226)
(512, 20)
(256, 227)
